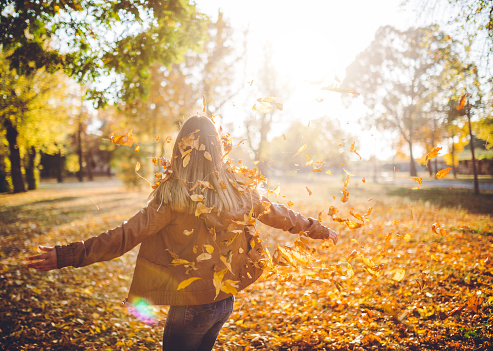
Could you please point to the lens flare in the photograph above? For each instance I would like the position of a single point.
(143, 311)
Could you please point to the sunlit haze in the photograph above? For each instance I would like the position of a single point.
(311, 45)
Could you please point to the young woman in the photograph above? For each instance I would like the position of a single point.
(198, 246)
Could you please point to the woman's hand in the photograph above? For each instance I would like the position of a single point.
(46, 261)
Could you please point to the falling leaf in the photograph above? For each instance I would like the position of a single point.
(346, 182)
(229, 287)
(300, 150)
(462, 102)
(309, 191)
(188, 232)
(407, 237)
(415, 188)
(207, 156)
(197, 197)
(124, 139)
(353, 225)
(418, 180)
(342, 91)
(201, 208)
(347, 172)
(187, 282)
(137, 166)
(203, 257)
(137, 148)
(168, 139)
(433, 153)
(209, 248)
(279, 106)
(354, 150)
(328, 172)
(442, 173)
(345, 195)
(217, 280)
(363, 180)
(399, 274)
(186, 160)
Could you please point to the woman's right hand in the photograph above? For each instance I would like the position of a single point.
(46, 261)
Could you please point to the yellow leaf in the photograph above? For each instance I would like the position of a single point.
(137, 148)
(186, 160)
(279, 106)
(187, 282)
(197, 197)
(201, 208)
(443, 173)
(209, 248)
(407, 237)
(179, 261)
(207, 156)
(217, 280)
(328, 172)
(203, 257)
(137, 166)
(300, 150)
(124, 139)
(188, 232)
(415, 188)
(229, 287)
(399, 274)
(367, 261)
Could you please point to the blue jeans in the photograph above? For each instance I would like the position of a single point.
(195, 328)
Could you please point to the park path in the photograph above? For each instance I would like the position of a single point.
(440, 183)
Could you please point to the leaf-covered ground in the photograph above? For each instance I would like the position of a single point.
(412, 288)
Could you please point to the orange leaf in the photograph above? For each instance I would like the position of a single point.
(168, 139)
(432, 153)
(462, 102)
(443, 173)
(346, 182)
(353, 225)
(309, 191)
(137, 166)
(418, 180)
(137, 148)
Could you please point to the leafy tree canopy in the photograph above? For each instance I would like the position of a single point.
(111, 43)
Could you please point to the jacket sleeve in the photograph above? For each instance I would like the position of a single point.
(115, 242)
(280, 217)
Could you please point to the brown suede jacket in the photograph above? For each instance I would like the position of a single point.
(172, 249)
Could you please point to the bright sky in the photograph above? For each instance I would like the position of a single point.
(312, 42)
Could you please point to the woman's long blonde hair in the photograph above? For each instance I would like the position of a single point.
(200, 176)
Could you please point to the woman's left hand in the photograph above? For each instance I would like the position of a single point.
(46, 261)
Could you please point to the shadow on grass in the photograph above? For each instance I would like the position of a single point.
(451, 198)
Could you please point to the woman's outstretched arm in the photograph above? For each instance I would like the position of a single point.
(44, 262)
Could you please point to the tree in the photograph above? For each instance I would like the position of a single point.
(91, 39)
(396, 75)
(32, 116)
(470, 18)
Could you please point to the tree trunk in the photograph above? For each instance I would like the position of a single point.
(412, 164)
(15, 158)
(4, 184)
(471, 141)
(31, 168)
(452, 153)
(59, 167)
(80, 175)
